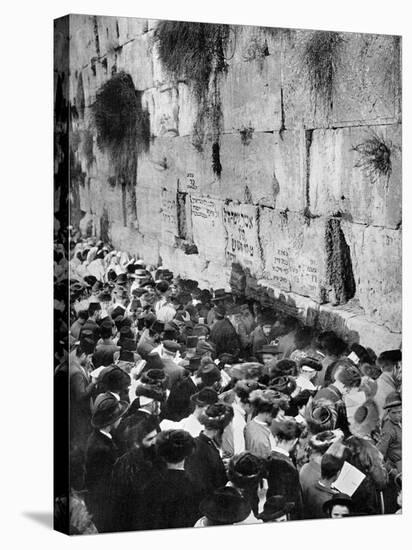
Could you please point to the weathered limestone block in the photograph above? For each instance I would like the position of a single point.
(293, 252)
(160, 75)
(130, 28)
(337, 184)
(376, 259)
(367, 89)
(163, 107)
(135, 58)
(130, 240)
(250, 90)
(148, 208)
(109, 37)
(82, 41)
(188, 108)
(372, 335)
(209, 233)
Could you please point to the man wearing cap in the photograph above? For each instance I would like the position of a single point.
(390, 445)
(201, 400)
(276, 509)
(263, 334)
(173, 371)
(101, 454)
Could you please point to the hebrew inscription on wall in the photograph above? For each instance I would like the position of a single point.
(241, 226)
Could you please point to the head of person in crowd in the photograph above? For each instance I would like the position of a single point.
(393, 406)
(150, 397)
(285, 385)
(108, 411)
(276, 509)
(269, 354)
(171, 331)
(170, 348)
(139, 433)
(286, 433)
(84, 353)
(370, 371)
(220, 311)
(122, 298)
(174, 446)
(214, 420)
(339, 506)
(202, 332)
(208, 375)
(391, 364)
(206, 349)
(114, 380)
(358, 354)
(284, 367)
(202, 399)
(245, 470)
(365, 420)
(156, 330)
(320, 442)
(94, 311)
(225, 506)
(82, 316)
(267, 321)
(303, 338)
(330, 467)
(163, 289)
(263, 404)
(320, 417)
(242, 391)
(347, 379)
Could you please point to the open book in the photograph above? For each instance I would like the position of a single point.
(349, 479)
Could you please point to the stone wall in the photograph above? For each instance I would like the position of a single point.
(288, 166)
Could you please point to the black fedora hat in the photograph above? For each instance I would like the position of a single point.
(206, 396)
(225, 506)
(107, 409)
(339, 498)
(275, 507)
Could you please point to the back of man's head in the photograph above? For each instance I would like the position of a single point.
(93, 307)
(330, 467)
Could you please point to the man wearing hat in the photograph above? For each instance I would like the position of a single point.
(225, 506)
(269, 354)
(276, 509)
(101, 454)
(164, 309)
(390, 445)
(170, 500)
(94, 313)
(223, 334)
(263, 334)
(308, 368)
(173, 371)
(107, 352)
(245, 473)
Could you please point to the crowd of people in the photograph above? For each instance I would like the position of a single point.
(195, 407)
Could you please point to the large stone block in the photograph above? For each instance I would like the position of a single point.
(135, 58)
(130, 28)
(293, 252)
(131, 241)
(148, 208)
(188, 109)
(108, 35)
(82, 41)
(376, 260)
(342, 181)
(367, 89)
(163, 107)
(250, 90)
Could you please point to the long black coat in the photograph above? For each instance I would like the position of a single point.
(205, 467)
(225, 337)
(132, 473)
(101, 454)
(283, 479)
(170, 501)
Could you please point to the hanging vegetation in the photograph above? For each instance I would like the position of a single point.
(339, 273)
(87, 147)
(375, 156)
(321, 54)
(195, 52)
(122, 126)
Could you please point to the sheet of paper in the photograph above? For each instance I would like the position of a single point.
(349, 479)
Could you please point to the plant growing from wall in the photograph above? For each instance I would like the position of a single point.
(195, 52)
(122, 126)
(321, 55)
(375, 156)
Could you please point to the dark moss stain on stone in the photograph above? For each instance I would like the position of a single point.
(339, 272)
(216, 165)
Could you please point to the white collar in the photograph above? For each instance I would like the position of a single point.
(281, 451)
(107, 434)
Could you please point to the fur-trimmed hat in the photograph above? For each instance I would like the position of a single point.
(321, 418)
(321, 442)
(287, 429)
(275, 507)
(245, 469)
(284, 367)
(204, 397)
(174, 445)
(283, 384)
(365, 419)
(209, 374)
(311, 363)
(216, 416)
(150, 391)
(155, 377)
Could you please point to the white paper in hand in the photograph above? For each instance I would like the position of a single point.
(349, 479)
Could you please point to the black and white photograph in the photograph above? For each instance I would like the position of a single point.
(227, 275)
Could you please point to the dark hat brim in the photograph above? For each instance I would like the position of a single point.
(121, 411)
(211, 510)
(271, 516)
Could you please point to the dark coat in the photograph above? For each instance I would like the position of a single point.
(283, 479)
(132, 473)
(170, 501)
(93, 327)
(174, 372)
(205, 467)
(178, 404)
(101, 454)
(225, 337)
(315, 497)
(81, 390)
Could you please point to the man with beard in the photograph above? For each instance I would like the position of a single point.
(132, 473)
